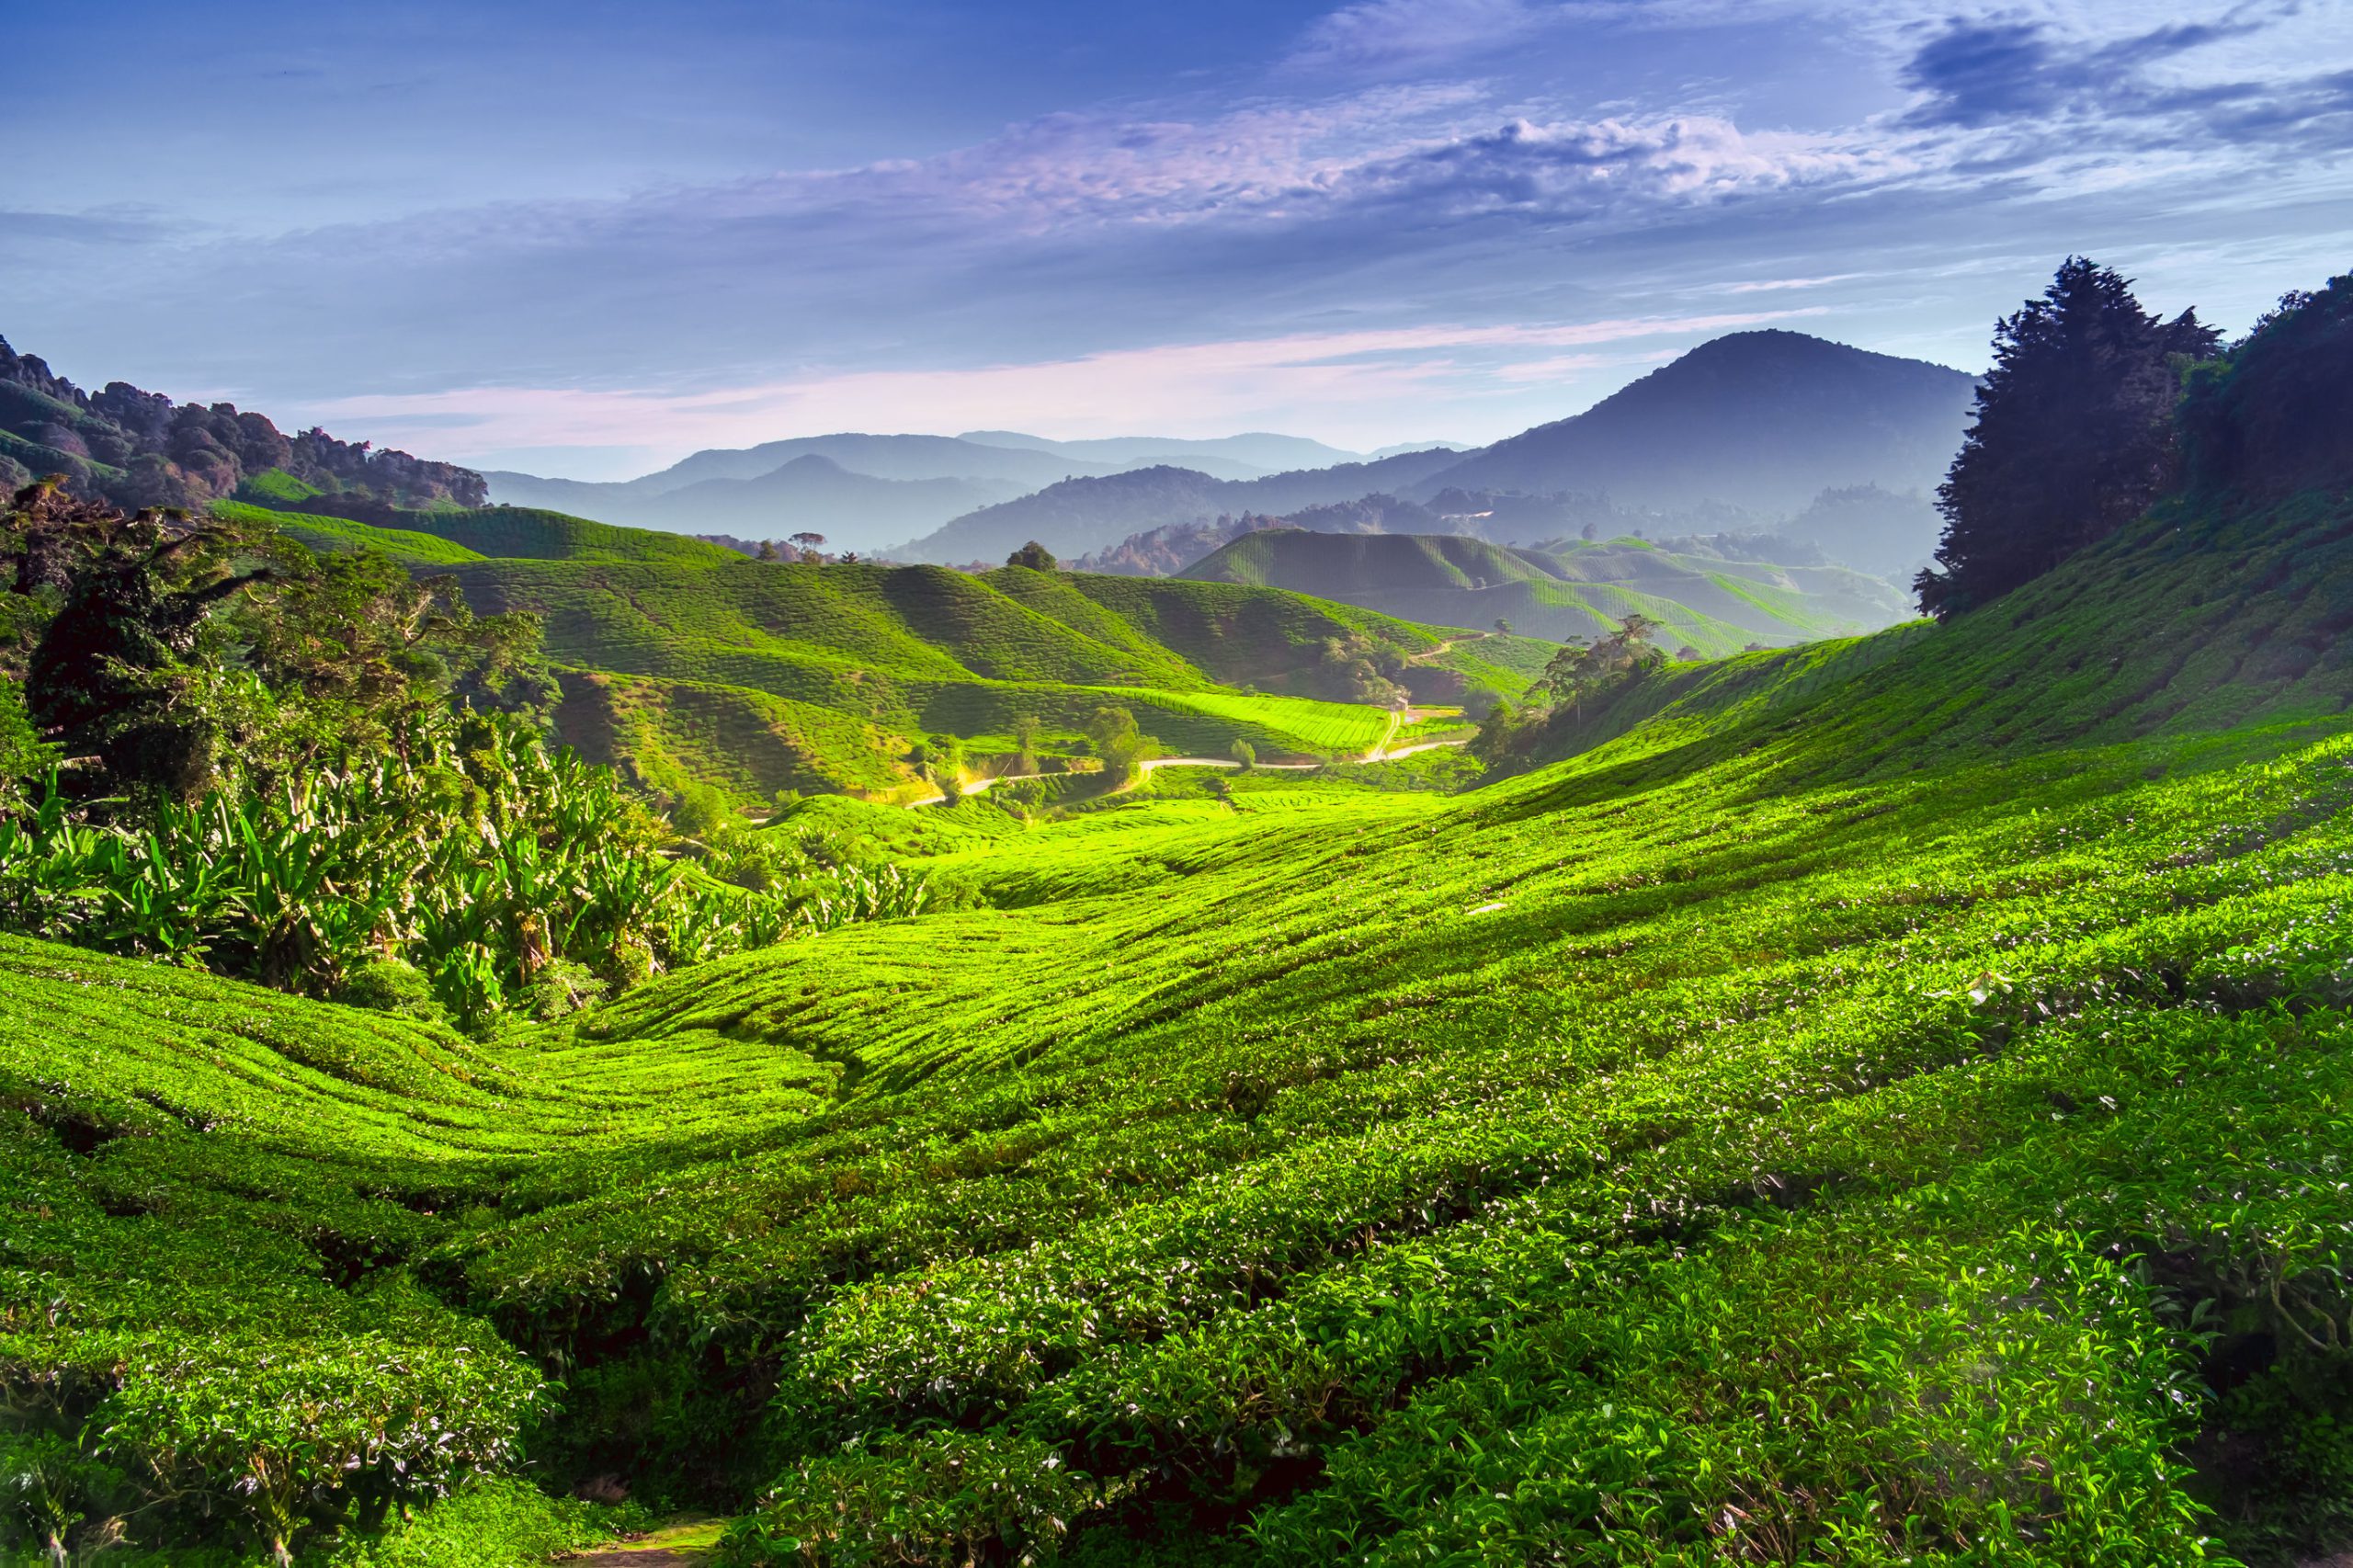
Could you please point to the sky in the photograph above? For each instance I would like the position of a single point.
(588, 238)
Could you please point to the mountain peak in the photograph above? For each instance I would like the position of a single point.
(1763, 420)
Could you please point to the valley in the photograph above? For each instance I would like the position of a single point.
(523, 1034)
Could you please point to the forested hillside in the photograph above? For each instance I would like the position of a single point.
(137, 450)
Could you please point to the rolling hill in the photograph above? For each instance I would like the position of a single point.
(1575, 590)
(1865, 1100)
(1765, 421)
(683, 662)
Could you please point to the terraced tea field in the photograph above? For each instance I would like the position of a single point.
(1850, 1113)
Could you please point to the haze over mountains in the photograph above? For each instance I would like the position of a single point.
(1747, 430)
(808, 484)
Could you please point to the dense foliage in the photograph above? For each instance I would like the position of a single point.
(2074, 435)
(2269, 417)
(320, 773)
(137, 449)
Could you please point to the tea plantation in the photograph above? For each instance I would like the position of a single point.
(1882, 1102)
(685, 662)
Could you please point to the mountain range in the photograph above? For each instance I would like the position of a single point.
(1756, 424)
(1762, 420)
(1761, 423)
(808, 484)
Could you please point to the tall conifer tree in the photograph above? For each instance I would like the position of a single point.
(2073, 435)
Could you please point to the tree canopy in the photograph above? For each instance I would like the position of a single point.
(2074, 435)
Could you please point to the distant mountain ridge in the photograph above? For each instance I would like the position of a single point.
(807, 492)
(1262, 450)
(1081, 515)
(990, 466)
(1758, 423)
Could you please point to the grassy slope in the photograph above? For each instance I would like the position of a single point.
(1413, 1177)
(912, 651)
(686, 662)
(1577, 590)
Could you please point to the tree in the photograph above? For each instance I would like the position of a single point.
(808, 543)
(1502, 626)
(1499, 734)
(159, 663)
(766, 551)
(1244, 754)
(1033, 555)
(2073, 435)
(1112, 733)
(1025, 742)
(701, 812)
(1583, 669)
(110, 676)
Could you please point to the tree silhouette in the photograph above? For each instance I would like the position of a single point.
(1033, 555)
(2073, 435)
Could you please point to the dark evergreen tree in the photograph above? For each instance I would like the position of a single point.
(2073, 435)
(1033, 555)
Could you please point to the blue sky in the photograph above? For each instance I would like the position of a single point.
(588, 238)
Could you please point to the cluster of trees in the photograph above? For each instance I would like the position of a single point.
(138, 449)
(809, 548)
(2270, 419)
(2096, 407)
(321, 774)
(1359, 667)
(1584, 673)
(2073, 437)
(1113, 734)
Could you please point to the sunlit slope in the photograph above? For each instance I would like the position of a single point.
(901, 652)
(488, 532)
(1578, 589)
(685, 663)
(2204, 616)
(1319, 1138)
(1750, 1127)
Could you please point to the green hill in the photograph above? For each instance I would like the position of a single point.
(1858, 1103)
(1576, 590)
(684, 661)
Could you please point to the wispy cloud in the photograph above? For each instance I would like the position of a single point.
(1387, 34)
(1778, 285)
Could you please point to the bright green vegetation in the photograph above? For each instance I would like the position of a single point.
(684, 663)
(1881, 1102)
(407, 546)
(1562, 590)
